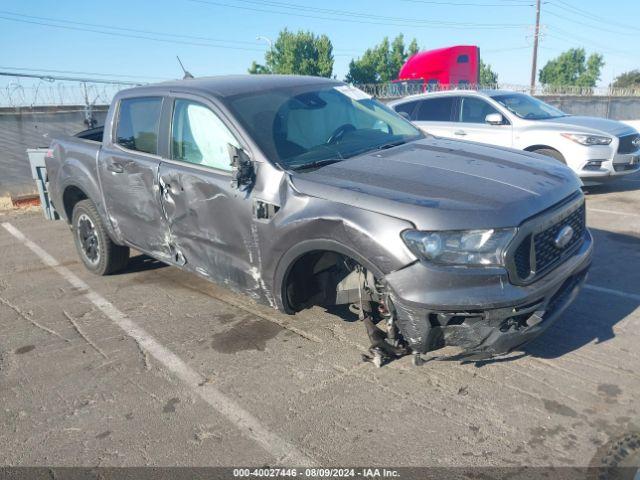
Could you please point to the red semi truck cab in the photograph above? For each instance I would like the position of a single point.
(453, 66)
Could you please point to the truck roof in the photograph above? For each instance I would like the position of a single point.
(231, 85)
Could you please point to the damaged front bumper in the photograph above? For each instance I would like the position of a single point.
(479, 309)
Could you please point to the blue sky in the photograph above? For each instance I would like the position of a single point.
(226, 32)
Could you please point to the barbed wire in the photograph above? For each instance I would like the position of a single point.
(46, 93)
(402, 89)
(49, 93)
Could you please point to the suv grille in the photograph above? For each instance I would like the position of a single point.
(537, 254)
(626, 143)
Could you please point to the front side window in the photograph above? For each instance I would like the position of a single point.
(138, 123)
(436, 110)
(530, 108)
(198, 136)
(475, 110)
(463, 58)
(408, 108)
(302, 127)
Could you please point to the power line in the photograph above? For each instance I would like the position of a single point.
(125, 29)
(63, 78)
(126, 35)
(598, 28)
(73, 72)
(567, 7)
(143, 34)
(507, 5)
(400, 22)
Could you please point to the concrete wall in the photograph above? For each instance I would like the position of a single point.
(22, 128)
(617, 108)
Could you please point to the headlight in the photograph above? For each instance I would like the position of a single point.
(460, 247)
(584, 139)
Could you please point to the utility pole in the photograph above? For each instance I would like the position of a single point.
(534, 60)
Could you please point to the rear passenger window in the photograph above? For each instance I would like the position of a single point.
(198, 136)
(435, 110)
(138, 122)
(407, 108)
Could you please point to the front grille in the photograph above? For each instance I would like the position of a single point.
(537, 253)
(522, 258)
(626, 143)
(547, 254)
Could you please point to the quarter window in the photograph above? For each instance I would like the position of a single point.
(138, 122)
(474, 110)
(198, 136)
(407, 108)
(435, 110)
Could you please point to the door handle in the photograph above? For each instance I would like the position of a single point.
(461, 133)
(115, 167)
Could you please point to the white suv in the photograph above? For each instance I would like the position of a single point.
(597, 149)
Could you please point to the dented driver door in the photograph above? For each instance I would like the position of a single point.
(210, 221)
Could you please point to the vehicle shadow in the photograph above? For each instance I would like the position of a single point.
(594, 314)
(142, 263)
(629, 183)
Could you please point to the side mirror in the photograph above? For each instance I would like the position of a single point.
(242, 172)
(494, 119)
(404, 115)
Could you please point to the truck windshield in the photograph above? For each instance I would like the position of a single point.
(528, 107)
(315, 125)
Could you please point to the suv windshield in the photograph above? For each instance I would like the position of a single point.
(315, 125)
(528, 107)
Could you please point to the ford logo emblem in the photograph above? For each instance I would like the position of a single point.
(564, 237)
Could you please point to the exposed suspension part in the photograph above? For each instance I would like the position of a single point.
(386, 345)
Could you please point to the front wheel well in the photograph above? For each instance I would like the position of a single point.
(71, 196)
(326, 278)
(547, 151)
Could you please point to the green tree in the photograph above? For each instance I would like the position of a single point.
(298, 53)
(573, 68)
(381, 63)
(487, 75)
(629, 79)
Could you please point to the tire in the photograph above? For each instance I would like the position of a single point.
(622, 460)
(93, 243)
(550, 152)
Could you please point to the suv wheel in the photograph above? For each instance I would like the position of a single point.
(550, 152)
(96, 249)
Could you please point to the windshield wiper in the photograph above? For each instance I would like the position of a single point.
(385, 146)
(316, 164)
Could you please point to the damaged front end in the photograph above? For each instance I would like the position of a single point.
(494, 310)
(484, 333)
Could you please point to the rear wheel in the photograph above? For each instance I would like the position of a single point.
(96, 249)
(550, 152)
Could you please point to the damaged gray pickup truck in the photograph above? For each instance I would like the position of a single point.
(302, 191)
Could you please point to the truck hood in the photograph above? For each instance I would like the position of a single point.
(444, 184)
(611, 127)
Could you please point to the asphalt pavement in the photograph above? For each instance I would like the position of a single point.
(155, 366)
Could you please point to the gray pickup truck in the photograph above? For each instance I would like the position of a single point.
(302, 191)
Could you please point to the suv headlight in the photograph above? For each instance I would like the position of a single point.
(585, 139)
(460, 247)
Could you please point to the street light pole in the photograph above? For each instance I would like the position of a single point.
(534, 60)
(266, 39)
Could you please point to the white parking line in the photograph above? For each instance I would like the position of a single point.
(284, 452)
(611, 291)
(613, 212)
